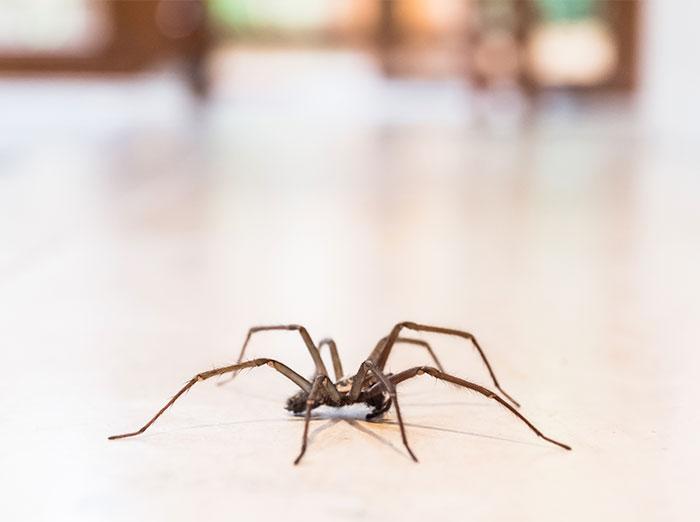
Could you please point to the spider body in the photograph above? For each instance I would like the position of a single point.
(370, 385)
(373, 396)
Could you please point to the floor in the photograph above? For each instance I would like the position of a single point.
(142, 234)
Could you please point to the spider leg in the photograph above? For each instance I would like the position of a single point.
(310, 401)
(380, 354)
(413, 372)
(337, 365)
(388, 385)
(417, 342)
(313, 351)
(203, 376)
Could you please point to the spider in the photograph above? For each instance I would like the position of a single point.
(371, 385)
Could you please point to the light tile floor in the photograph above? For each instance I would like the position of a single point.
(136, 253)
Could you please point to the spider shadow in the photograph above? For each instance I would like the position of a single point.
(355, 419)
(361, 424)
(357, 425)
(390, 422)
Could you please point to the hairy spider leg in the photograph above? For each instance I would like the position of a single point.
(281, 368)
(388, 385)
(337, 365)
(420, 370)
(313, 351)
(310, 402)
(381, 352)
(417, 342)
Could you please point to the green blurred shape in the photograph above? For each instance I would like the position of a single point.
(566, 10)
(230, 13)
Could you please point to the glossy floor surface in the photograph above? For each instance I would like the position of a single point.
(141, 235)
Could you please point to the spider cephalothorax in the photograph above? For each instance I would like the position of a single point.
(371, 385)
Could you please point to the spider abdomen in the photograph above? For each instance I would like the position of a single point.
(297, 402)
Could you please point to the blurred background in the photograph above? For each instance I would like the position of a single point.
(173, 172)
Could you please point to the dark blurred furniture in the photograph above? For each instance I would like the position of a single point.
(141, 34)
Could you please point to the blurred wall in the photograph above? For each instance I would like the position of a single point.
(670, 71)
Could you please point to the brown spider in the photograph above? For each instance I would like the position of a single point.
(370, 385)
